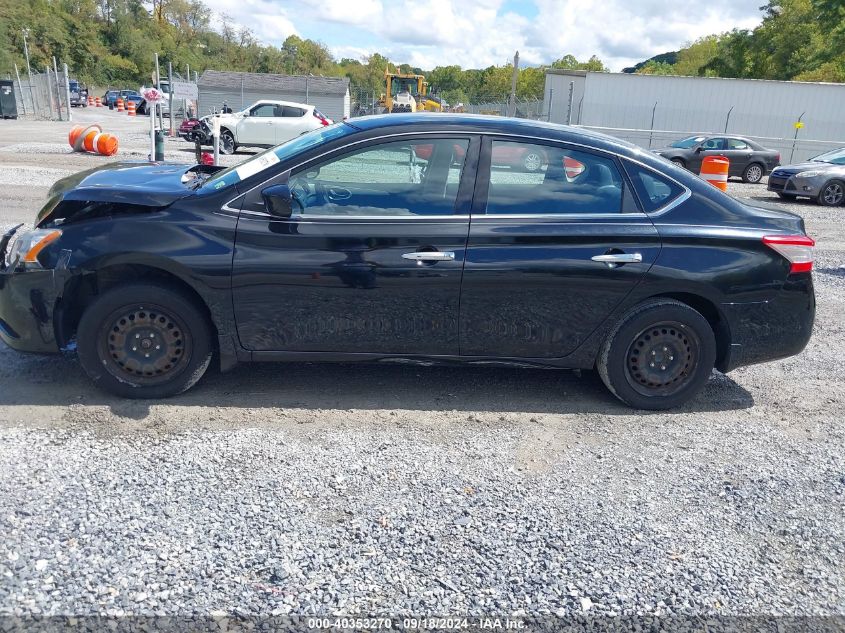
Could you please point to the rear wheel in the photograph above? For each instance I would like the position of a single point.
(753, 173)
(144, 341)
(679, 162)
(832, 194)
(658, 356)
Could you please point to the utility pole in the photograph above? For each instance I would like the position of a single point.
(569, 108)
(514, 77)
(20, 87)
(185, 100)
(67, 91)
(58, 98)
(170, 93)
(28, 70)
(158, 87)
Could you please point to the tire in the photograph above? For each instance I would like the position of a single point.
(227, 142)
(533, 162)
(151, 314)
(753, 173)
(680, 162)
(832, 194)
(662, 331)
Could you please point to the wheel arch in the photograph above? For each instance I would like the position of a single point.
(81, 289)
(710, 311)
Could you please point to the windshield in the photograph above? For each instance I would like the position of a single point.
(836, 157)
(404, 85)
(285, 151)
(687, 143)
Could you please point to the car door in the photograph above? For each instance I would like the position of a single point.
(290, 123)
(550, 253)
(259, 127)
(371, 259)
(739, 153)
(710, 147)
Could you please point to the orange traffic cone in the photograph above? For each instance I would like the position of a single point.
(714, 169)
(92, 139)
(130, 107)
(119, 104)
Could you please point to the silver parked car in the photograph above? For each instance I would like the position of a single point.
(821, 178)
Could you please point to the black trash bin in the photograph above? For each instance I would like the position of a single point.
(8, 105)
(159, 145)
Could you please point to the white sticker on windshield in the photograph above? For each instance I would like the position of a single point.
(255, 165)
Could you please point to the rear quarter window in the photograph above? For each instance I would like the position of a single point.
(654, 190)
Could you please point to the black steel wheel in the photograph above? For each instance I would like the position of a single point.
(662, 358)
(832, 193)
(659, 355)
(753, 173)
(680, 162)
(144, 341)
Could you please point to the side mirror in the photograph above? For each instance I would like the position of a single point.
(699, 149)
(278, 201)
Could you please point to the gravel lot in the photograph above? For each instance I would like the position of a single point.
(303, 489)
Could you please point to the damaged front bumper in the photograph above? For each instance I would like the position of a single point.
(27, 302)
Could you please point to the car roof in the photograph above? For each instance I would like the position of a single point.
(489, 124)
(283, 103)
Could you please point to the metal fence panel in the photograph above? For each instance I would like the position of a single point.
(43, 97)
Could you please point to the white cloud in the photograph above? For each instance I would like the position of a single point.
(478, 33)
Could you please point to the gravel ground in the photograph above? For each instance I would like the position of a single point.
(342, 490)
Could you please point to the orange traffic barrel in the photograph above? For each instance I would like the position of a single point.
(130, 107)
(98, 102)
(119, 104)
(714, 169)
(92, 139)
(90, 100)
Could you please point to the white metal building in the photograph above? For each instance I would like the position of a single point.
(330, 95)
(652, 110)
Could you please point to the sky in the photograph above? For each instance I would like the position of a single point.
(480, 33)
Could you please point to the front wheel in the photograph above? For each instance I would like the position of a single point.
(832, 194)
(658, 356)
(227, 142)
(753, 173)
(144, 340)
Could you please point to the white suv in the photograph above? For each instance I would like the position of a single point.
(267, 124)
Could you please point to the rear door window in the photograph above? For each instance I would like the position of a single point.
(528, 179)
(735, 143)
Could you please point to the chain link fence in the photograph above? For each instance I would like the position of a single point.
(43, 96)
(365, 102)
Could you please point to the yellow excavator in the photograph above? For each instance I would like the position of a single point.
(406, 92)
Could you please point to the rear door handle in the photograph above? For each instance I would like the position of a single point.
(615, 259)
(430, 256)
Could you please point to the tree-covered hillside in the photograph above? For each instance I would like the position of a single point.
(801, 40)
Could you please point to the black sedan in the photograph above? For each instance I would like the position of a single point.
(346, 244)
(749, 160)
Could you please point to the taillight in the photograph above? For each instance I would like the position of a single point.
(322, 119)
(778, 159)
(798, 249)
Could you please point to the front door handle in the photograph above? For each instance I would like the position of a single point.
(430, 256)
(616, 259)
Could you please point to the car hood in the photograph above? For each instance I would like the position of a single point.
(808, 165)
(138, 184)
